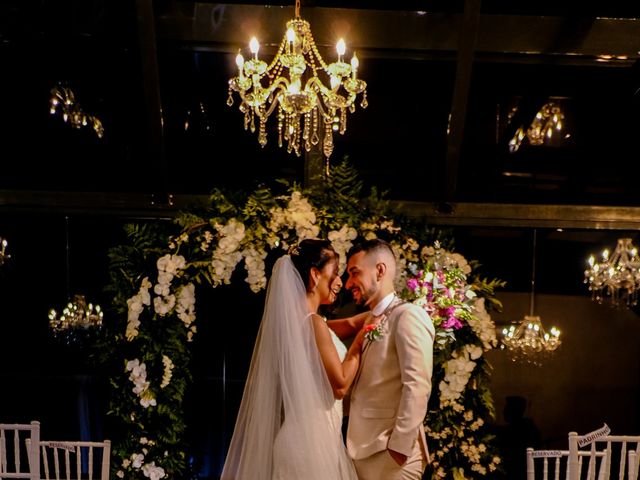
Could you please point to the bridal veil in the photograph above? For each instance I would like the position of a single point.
(287, 400)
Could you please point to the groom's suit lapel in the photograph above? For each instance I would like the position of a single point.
(384, 317)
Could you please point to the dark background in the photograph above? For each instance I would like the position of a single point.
(66, 194)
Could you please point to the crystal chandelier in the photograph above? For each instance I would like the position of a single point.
(76, 315)
(527, 341)
(4, 256)
(616, 276)
(79, 318)
(547, 124)
(308, 110)
(63, 102)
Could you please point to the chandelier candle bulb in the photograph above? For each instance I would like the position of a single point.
(254, 47)
(4, 256)
(354, 66)
(291, 37)
(240, 63)
(341, 48)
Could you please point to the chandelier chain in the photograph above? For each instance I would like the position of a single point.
(533, 273)
(68, 254)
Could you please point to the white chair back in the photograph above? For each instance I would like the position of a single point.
(555, 464)
(619, 448)
(75, 460)
(18, 458)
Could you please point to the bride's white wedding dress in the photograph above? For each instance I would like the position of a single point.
(289, 423)
(287, 456)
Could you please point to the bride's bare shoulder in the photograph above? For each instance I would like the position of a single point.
(318, 318)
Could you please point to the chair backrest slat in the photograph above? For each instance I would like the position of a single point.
(78, 462)
(3, 452)
(56, 462)
(633, 465)
(45, 461)
(16, 450)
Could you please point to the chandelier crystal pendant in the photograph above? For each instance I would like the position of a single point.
(527, 341)
(308, 110)
(616, 276)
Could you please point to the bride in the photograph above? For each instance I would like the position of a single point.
(289, 423)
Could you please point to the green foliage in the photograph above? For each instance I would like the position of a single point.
(486, 289)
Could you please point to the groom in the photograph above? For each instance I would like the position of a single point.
(389, 396)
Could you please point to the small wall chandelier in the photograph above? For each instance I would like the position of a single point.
(527, 341)
(547, 124)
(308, 110)
(616, 276)
(4, 256)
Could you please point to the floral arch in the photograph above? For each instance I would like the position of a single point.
(154, 278)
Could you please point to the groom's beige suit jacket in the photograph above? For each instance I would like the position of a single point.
(390, 394)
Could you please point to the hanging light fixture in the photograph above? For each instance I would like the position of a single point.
(4, 256)
(63, 102)
(527, 340)
(78, 318)
(616, 276)
(547, 126)
(309, 111)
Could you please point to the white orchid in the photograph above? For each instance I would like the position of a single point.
(254, 265)
(168, 368)
(135, 306)
(341, 240)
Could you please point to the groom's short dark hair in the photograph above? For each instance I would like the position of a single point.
(369, 246)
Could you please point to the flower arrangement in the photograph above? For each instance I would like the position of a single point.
(155, 279)
(455, 422)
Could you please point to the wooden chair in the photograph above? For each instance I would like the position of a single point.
(556, 463)
(75, 460)
(18, 455)
(617, 446)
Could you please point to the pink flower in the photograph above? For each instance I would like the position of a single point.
(452, 322)
(412, 284)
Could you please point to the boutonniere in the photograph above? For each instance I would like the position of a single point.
(373, 332)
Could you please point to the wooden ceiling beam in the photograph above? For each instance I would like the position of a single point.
(406, 34)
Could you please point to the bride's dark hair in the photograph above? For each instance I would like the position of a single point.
(309, 253)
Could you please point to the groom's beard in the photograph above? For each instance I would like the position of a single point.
(363, 297)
